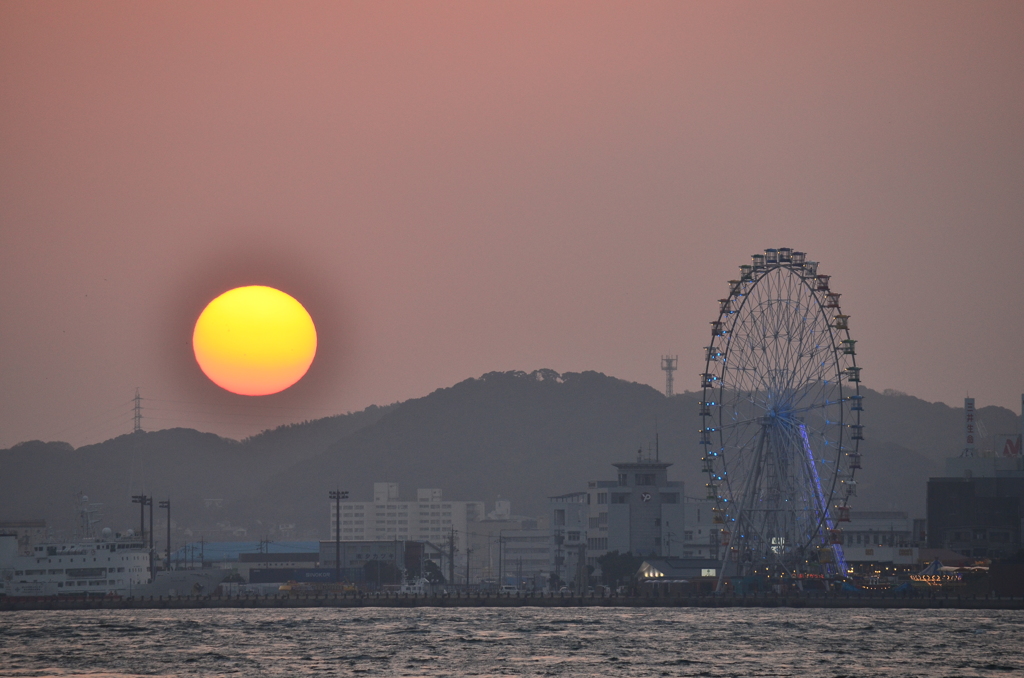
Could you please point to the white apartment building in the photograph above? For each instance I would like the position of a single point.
(699, 537)
(877, 528)
(526, 558)
(428, 518)
(495, 539)
(570, 515)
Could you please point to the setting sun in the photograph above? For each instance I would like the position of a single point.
(254, 340)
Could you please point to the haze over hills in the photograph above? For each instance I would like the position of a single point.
(204, 474)
(513, 435)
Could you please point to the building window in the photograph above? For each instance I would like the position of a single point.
(620, 498)
(602, 497)
(573, 536)
(644, 479)
(559, 517)
(622, 479)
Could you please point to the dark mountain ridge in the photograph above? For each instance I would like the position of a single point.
(517, 435)
(203, 473)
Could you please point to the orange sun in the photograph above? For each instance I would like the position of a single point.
(254, 340)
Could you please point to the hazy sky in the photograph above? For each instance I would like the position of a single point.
(458, 188)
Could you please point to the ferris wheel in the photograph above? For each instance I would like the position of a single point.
(780, 416)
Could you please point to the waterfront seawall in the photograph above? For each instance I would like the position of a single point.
(401, 601)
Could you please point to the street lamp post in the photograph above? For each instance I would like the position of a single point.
(559, 559)
(337, 496)
(152, 563)
(167, 505)
(501, 560)
(141, 500)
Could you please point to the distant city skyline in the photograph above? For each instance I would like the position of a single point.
(457, 189)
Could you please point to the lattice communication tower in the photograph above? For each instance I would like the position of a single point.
(669, 364)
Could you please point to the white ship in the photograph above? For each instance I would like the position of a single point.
(108, 565)
(101, 566)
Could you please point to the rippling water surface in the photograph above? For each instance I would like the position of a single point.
(503, 642)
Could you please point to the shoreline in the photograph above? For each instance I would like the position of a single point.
(403, 601)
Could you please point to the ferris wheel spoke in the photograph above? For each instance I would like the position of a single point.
(817, 406)
(739, 424)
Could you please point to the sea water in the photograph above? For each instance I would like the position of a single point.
(512, 642)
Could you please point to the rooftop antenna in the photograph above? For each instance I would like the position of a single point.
(669, 364)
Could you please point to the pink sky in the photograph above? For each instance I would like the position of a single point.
(457, 188)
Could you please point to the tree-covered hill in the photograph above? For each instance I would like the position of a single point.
(517, 435)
